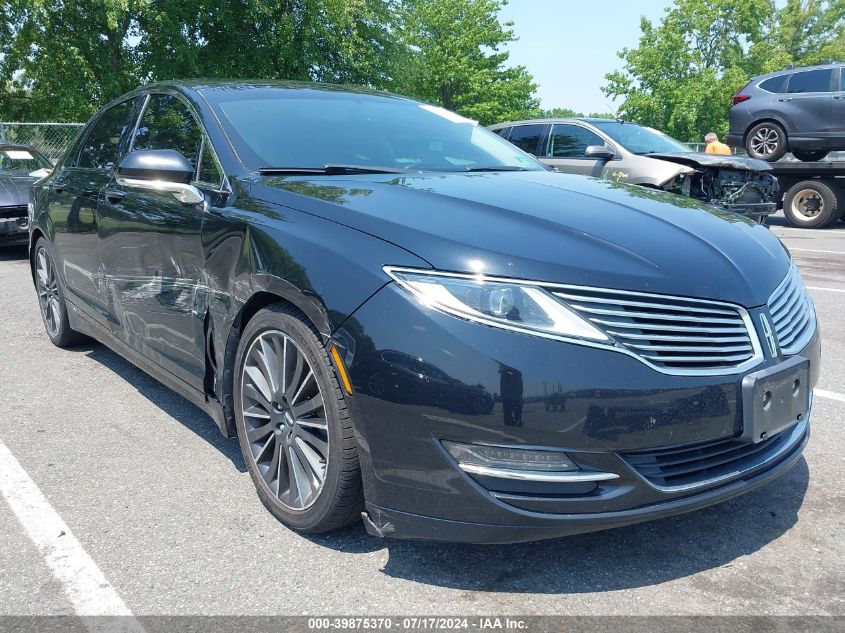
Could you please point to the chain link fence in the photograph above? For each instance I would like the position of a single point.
(51, 139)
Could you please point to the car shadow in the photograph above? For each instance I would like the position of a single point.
(174, 405)
(13, 253)
(622, 558)
(779, 220)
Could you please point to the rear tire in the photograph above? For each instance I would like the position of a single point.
(808, 156)
(293, 426)
(811, 204)
(766, 141)
(51, 298)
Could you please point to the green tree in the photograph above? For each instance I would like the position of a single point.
(681, 76)
(459, 61)
(812, 31)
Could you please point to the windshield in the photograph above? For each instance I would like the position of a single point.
(640, 140)
(21, 162)
(285, 128)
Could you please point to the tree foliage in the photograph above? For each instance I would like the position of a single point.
(63, 59)
(568, 113)
(460, 61)
(686, 68)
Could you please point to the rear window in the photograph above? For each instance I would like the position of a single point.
(775, 84)
(811, 81)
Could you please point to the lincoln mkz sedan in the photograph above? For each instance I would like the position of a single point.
(403, 317)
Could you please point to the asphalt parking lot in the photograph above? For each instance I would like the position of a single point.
(163, 506)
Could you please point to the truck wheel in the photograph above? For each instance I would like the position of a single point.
(809, 157)
(811, 204)
(766, 141)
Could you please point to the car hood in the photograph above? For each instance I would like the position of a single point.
(14, 190)
(700, 159)
(551, 227)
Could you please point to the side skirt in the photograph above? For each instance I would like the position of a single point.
(80, 322)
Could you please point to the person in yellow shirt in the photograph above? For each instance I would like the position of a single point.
(715, 146)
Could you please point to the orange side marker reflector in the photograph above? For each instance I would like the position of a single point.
(341, 370)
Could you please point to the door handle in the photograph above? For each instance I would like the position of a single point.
(839, 96)
(115, 195)
(789, 99)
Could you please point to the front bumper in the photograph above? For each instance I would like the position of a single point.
(14, 231)
(597, 405)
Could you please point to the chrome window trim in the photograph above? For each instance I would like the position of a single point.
(756, 358)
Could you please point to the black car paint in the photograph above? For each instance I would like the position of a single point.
(170, 287)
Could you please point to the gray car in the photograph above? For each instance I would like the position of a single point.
(630, 153)
(800, 110)
(20, 166)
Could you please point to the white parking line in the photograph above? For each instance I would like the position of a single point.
(830, 395)
(83, 582)
(813, 250)
(828, 289)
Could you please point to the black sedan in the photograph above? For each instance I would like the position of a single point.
(403, 317)
(20, 167)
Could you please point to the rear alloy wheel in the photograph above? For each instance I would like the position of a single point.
(766, 141)
(293, 426)
(51, 300)
(811, 205)
(808, 156)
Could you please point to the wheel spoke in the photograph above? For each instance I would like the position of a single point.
(308, 406)
(297, 374)
(268, 364)
(312, 439)
(300, 479)
(312, 461)
(315, 422)
(259, 432)
(259, 380)
(54, 311)
(249, 391)
(308, 378)
(262, 449)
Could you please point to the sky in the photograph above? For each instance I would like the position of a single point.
(569, 45)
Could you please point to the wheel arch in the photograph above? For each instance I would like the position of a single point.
(769, 118)
(261, 298)
(34, 236)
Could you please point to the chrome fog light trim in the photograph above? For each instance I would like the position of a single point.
(533, 475)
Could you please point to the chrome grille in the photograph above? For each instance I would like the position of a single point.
(792, 313)
(678, 334)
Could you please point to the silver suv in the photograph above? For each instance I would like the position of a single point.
(800, 110)
(634, 154)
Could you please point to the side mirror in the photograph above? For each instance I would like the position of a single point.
(599, 152)
(163, 170)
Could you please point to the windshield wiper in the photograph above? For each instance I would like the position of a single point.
(331, 170)
(497, 168)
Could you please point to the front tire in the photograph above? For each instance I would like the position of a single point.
(766, 141)
(293, 426)
(811, 204)
(808, 156)
(51, 299)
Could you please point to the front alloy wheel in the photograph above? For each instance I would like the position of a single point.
(293, 426)
(285, 419)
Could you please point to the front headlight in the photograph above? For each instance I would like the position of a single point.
(508, 304)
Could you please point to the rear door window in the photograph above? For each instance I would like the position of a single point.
(571, 141)
(100, 147)
(810, 81)
(527, 137)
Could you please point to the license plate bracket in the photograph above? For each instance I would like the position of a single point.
(775, 398)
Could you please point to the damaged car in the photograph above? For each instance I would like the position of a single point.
(20, 166)
(625, 152)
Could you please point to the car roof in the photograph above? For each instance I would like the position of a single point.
(580, 119)
(211, 85)
(786, 71)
